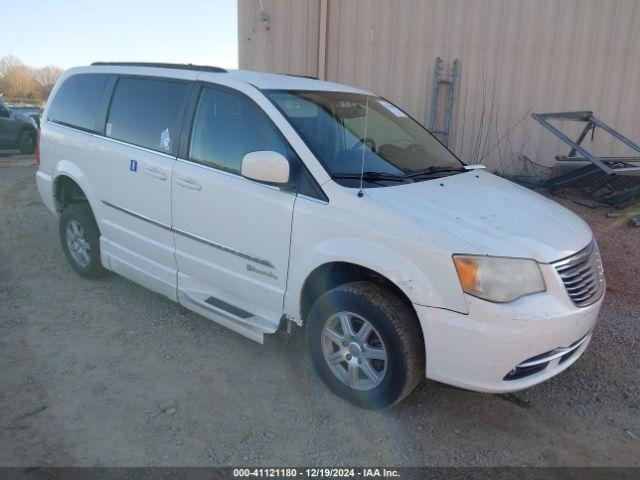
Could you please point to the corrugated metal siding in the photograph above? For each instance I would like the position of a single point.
(517, 56)
(288, 45)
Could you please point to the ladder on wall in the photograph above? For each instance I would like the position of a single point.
(443, 87)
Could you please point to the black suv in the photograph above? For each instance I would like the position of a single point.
(17, 130)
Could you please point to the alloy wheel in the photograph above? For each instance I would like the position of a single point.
(354, 350)
(78, 244)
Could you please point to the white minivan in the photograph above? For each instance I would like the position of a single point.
(261, 200)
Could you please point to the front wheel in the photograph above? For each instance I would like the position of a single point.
(366, 344)
(80, 239)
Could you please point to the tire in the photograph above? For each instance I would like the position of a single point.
(27, 142)
(394, 332)
(85, 234)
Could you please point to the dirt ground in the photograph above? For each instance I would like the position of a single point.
(107, 373)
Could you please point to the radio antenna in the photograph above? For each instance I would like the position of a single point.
(366, 116)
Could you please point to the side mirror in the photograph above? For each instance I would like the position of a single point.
(266, 166)
(5, 112)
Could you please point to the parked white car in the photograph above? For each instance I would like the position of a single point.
(261, 201)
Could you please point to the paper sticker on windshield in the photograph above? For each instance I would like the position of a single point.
(165, 140)
(392, 108)
(108, 129)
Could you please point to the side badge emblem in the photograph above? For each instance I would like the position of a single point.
(133, 165)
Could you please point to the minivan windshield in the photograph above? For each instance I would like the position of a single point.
(397, 149)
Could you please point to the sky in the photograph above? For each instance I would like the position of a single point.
(70, 33)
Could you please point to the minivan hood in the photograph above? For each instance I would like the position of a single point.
(494, 215)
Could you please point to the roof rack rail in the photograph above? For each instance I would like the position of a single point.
(310, 77)
(177, 66)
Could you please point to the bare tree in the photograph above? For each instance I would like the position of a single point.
(7, 63)
(47, 78)
(21, 83)
(18, 84)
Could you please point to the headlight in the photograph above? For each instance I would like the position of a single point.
(498, 279)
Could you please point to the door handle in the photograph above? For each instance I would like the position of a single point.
(155, 173)
(188, 183)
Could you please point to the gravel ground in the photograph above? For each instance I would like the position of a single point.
(107, 373)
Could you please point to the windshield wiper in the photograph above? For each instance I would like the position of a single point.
(377, 176)
(434, 170)
(372, 176)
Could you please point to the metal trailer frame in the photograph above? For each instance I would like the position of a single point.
(608, 180)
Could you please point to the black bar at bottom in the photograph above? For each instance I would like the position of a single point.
(373, 472)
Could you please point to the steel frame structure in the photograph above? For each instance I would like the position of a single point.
(608, 180)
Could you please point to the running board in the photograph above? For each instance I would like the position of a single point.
(228, 308)
(239, 320)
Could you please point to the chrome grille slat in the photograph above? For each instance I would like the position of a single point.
(539, 363)
(553, 354)
(583, 283)
(574, 289)
(578, 281)
(582, 278)
(581, 298)
(584, 253)
(574, 273)
(572, 266)
(585, 291)
(582, 275)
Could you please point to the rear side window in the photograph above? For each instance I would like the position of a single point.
(78, 100)
(226, 127)
(147, 112)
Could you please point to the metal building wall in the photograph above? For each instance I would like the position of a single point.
(517, 56)
(287, 43)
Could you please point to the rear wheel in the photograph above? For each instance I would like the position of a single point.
(80, 239)
(27, 142)
(366, 344)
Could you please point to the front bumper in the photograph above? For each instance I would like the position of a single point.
(44, 183)
(478, 350)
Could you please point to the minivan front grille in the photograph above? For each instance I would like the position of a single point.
(582, 275)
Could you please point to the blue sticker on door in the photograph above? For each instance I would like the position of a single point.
(133, 165)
